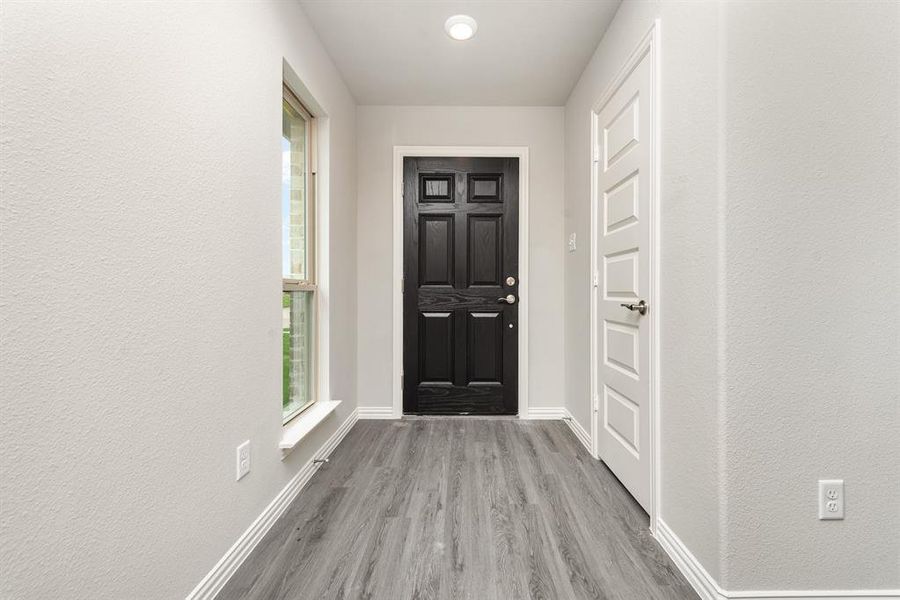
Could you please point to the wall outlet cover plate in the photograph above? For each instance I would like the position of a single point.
(242, 460)
(831, 499)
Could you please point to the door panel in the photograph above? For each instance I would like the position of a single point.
(621, 418)
(436, 332)
(435, 187)
(485, 240)
(460, 343)
(621, 345)
(623, 210)
(621, 275)
(436, 250)
(620, 205)
(485, 348)
(485, 187)
(620, 133)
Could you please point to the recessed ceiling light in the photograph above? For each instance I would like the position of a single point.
(460, 27)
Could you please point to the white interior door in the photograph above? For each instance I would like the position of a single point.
(622, 231)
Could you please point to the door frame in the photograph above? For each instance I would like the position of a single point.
(401, 152)
(649, 45)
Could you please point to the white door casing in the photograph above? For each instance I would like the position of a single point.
(624, 273)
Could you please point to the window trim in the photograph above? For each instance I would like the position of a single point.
(310, 283)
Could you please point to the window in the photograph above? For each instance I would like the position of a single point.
(298, 259)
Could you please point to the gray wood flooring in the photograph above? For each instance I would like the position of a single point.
(460, 509)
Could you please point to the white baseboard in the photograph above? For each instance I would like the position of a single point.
(702, 582)
(216, 579)
(546, 413)
(814, 595)
(583, 436)
(376, 412)
(708, 589)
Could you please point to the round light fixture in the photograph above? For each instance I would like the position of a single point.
(460, 27)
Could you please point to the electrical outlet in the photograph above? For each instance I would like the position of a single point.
(243, 460)
(572, 243)
(831, 499)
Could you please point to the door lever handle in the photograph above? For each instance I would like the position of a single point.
(509, 299)
(641, 307)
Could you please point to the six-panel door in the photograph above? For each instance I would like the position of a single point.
(460, 341)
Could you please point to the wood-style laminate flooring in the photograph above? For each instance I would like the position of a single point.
(451, 509)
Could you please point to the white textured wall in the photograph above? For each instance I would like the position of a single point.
(779, 230)
(812, 142)
(140, 286)
(541, 129)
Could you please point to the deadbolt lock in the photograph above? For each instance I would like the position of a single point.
(510, 281)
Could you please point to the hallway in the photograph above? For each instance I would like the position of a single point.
(449, 300)
(460, 508)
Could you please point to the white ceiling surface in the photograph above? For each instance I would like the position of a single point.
(525, 53)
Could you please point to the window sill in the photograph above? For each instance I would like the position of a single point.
(299, 427)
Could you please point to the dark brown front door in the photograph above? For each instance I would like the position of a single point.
(461, 262)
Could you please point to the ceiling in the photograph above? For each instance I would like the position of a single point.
(525, 53)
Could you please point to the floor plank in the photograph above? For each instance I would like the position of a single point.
(456, 509)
